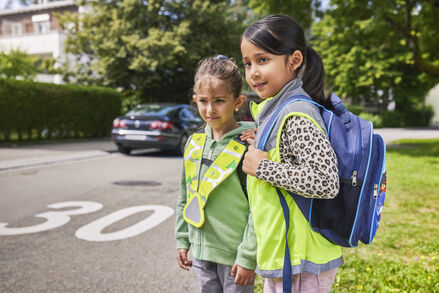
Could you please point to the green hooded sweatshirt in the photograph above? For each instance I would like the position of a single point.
(227, 236)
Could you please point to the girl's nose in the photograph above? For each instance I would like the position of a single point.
(255, 73)
(210, 108)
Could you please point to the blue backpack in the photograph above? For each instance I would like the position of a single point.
(354, 214)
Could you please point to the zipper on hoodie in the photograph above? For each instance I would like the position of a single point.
(212, 146)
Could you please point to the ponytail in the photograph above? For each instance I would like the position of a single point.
(313, 77)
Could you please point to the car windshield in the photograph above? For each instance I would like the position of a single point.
(150, 109)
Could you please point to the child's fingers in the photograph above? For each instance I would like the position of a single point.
(187, 262)
(244, 277)
(238, 279)
(234, 268)
(245, 282)
(181, 264)
(240, 275)
(248, 134)
(182, 259)
(183, 254)
(252, 279)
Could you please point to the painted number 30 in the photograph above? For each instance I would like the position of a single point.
(93, 230)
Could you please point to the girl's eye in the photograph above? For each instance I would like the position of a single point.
(220, 101)
(201, 100)
(263, 60)
(247, 64)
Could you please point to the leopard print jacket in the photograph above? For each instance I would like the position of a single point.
(308, 164)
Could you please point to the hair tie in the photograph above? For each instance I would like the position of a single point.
(221, 57)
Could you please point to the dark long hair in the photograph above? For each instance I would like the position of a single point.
(282, 35)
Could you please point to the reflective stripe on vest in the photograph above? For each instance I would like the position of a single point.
(218, 171)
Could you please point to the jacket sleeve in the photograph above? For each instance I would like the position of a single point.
(308, 164)
(246, 256)
(181, 226)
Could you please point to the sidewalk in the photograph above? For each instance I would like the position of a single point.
(391, 134)
(34, 155)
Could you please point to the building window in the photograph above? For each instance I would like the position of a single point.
(43, 27)
(41, 23)
(28, 27)
(8, 29)
(17, 29)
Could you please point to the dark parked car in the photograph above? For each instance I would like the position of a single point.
(163, 125)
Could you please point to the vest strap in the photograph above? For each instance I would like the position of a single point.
(219, 170)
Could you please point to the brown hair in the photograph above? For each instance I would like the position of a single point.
(222, 68)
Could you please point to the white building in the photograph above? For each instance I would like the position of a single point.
(432, 99)
(36, 30)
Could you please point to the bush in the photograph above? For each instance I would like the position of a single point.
(375, 119)
(392, 119)
(417, 117)
(356, 109)
(56, 110)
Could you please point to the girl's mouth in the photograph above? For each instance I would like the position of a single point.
(259, 85)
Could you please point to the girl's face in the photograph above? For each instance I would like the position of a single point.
(266, 73)
(216, 104)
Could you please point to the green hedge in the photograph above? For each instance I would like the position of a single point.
(50, 110)
(414, 118)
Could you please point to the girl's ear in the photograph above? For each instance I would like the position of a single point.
(295, 59)
(239, 101)
(195, 98)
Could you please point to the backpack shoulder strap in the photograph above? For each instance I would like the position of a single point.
(241, 174)
(275, 116)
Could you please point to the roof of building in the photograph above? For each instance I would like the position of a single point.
(38, 7)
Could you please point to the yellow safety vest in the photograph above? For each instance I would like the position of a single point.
(198, 191)
(309, 250)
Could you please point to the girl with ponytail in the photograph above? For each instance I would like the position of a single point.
(297, 157)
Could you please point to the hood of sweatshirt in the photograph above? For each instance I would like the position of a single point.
(243, 125)
(212, 148)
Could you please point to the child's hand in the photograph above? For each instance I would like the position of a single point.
(183, 262)
(248, 134)
(242, 275)
(252, 159)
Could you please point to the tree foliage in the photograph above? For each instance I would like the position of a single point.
(369, 56)
(150, 47)
(17, 63)
(303, 11)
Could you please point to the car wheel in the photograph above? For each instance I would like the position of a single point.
(123, 150)
(182, 144)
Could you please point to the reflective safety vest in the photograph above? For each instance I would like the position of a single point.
(309, 250)
(198, 191)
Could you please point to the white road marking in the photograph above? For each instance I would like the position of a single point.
(55, 219)
(93, 230)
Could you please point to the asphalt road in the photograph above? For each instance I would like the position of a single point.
(79, 217)
(61, 252)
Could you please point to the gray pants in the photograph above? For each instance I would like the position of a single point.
(217, 278)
